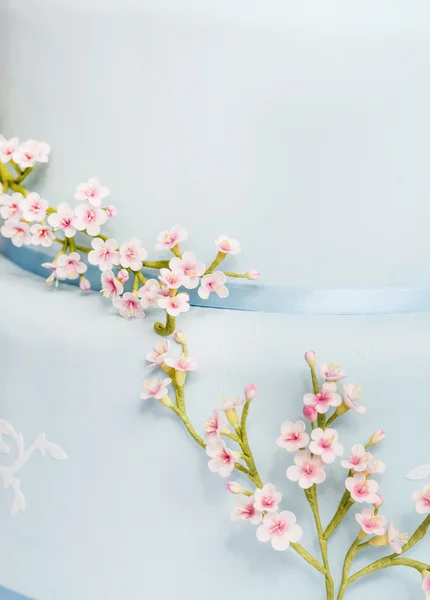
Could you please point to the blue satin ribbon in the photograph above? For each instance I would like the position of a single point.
(250, 296)
(6, 594)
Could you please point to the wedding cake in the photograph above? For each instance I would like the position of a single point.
(292, 134)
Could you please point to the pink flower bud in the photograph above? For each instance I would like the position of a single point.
(84, 284)
(123, 275)
(380, 501)
(251, 391)
(180, 337)
(310, 413)
(311, 358)
(377, 436)
(253, 275)
(233, 487)
(111, 210)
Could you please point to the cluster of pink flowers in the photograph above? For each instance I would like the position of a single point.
(24, 154)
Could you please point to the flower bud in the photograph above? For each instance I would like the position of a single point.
(180, 337)
(123, 276)
(233, 487)
(253, 275)
(310, 413)
(380, 501)
(84, 284)
(232, 417)
(111, 210)
(311, 358)
(251, 391)
(377, 437)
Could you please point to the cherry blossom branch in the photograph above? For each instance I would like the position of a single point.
(347, 566)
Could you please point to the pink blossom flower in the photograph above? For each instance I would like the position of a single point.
(311, 358)
(63, 219)
(172, 279)
(179, 337)
(370, 523)
(307, 470)
(132, 254)
(28, 153)
(54, 275)
(324, 399)
(253, 275)
(104, 254)
(34, 207)
(7, 148)
(324, 443)
(89, 218)
(310, 413)
(157, 357)
(17, 231)
(69, 266)
(426, 586)
(379, 502)
(332, 372)
(191, 268)
(84, 284)
(293, 436)
(175, 305)
(213, 427)
(11, 208)
(92, 191)
(422, 499)
(213, 282)
(128, 306)
(227, 245)
(375, 468)
(396, 539)
(267, 499)
(281, 529)
(358, 459)
(251, 392)
(123, 276)
(42, 234)
(231, 404)
(155, 388)
(233, 487)
(111, 211)
(184, 363)
(169, 239)
(150, 293)
(222, 458)
(110, 285)
(362, 489)
(245, 511)
(351, 395)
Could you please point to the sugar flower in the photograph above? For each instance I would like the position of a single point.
(213, 427)
(172, 279)
(8, 148)
(227, 245)
(222, 458)
(426, 586)
(213, 282)
(42, 235)
(307, 470)
(231, 404)
(128, 306)
(69, 266)
(89, 218)
(184, 363)
(190, 267)
(310, 413)
(332, 372)
(64, 219)
(370, 523)
(324, 443)
(110, 285)
(111, 210)
(246, 511)
(375, 467)
(377, 437)
(281, 529)
(253, 275)
(267, 498)
(11, 206)
(159, 354)
(422, 499)
(362, 489)
(293, 436)
(17, 231)
(28, 153)
(132, 254)
(311, 358)
(358, 459)
(324, 399)
(84, 284)
(396, 539)
(92, 191)
(54, 277)
(351, 395)
(104, 254)
(175, 305)
(150, 293)
(251, 392)
(34, 207)
(123, 275)
(169, 239)
(155, 388)
(233, 487)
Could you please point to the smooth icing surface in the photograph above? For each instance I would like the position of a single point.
(300, 130)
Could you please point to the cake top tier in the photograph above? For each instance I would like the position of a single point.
(301, 132)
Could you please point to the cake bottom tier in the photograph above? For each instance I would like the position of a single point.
(134, 512)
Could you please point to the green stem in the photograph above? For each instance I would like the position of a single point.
(332, 419)
(22, 174)
(237, 275)
(156, 264)
(342, 510)
(81, 248)
(218, 260)
(231, 436)
(244, 444)
(308, 557)
(347, 566)
(168, 328)
(18, 188)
